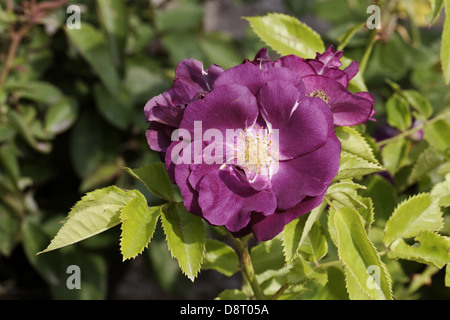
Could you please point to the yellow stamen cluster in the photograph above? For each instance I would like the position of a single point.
(320, 94)
(256, 149)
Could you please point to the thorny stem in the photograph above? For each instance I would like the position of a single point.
(16, 38)
(35, 12)
(247, 266)
(412, 130)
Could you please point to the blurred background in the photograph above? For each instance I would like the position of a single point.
(71, 116)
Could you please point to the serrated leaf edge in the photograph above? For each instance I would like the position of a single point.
(383, 267)
(194, 275)
(421, 194)
(121, 236)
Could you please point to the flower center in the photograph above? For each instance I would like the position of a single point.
(320, 94)
(257, 150)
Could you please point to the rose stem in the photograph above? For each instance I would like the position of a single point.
(246, 261)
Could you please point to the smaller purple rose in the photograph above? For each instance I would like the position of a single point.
(323, 78)
(165, 111)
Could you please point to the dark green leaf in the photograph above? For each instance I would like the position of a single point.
(155, 177)
(93, 47)
(220, 257)
(114, 19)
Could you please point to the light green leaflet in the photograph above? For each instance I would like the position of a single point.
(138, 225)
(186, 237)
(359, 255)
(416, 214)
(445, 47)
(287, 35)
(96, 212)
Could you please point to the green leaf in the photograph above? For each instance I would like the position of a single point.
(353, 166)
(414, 215)
(292, 234)
(232, 294)
(52, 267)
(102, 174)
(398, 113)
(9, 231)
(93, 47)
(358, 253)
(445, 46)
(38, 91)
(186, 237)
(303, 270)
(345, 193)
(183, 16)
(267, 255)
(418, 102)
(287, 35)
(428, 160)
(436, 8)
(220, 257)
(394, 155)
(295, 232)
(10, 162)
(138, 225)
(17, 121)
(357, 84)
(441, 192)
(437, 133)
(219, 50)
(116, 110)
(61, 115)
(353, 142)
(92, 144)
(383, 195)
(155, 177)
(432, 249)
(314, 245)
(96, 212)
(114, 20)
(447, 275)
(353, 287)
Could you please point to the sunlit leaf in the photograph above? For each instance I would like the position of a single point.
(414, 215)
(96, 212)
(186, 237)
(287, 35)
(358, 253)
(138, 225)
(155, 177)
(220, 257)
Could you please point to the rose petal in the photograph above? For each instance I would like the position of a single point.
(308, 175)
(227, 107)
(221, 206)
(348, 109)
(301, 121)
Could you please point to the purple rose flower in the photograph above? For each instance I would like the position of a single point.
(256, 152)
(165, 111)
(324, 79)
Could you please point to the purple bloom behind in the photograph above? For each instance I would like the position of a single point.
(324, 79)
(165, 111)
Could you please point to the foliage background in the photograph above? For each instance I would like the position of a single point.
(71, 116)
